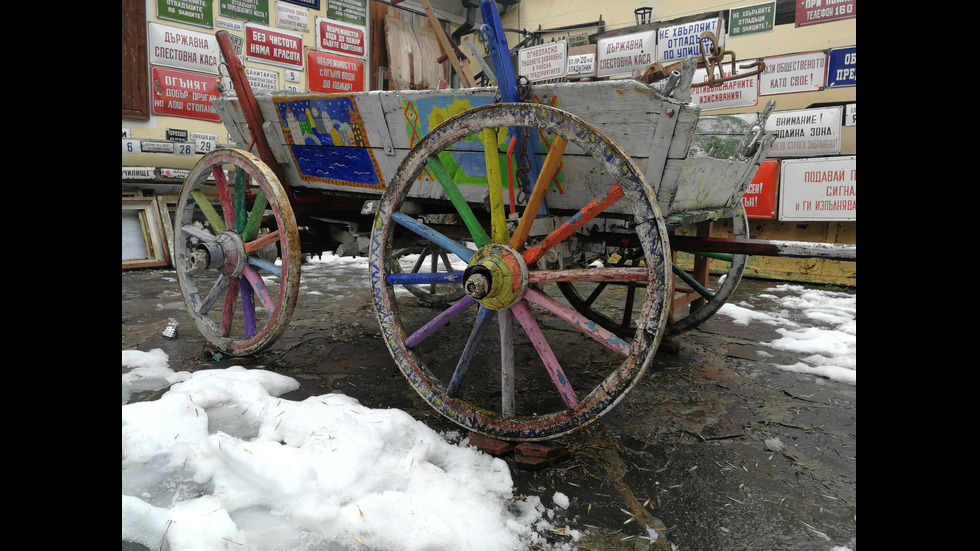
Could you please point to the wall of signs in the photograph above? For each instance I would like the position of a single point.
(298, 45)
(806, 176)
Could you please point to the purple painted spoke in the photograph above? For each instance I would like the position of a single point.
(248, 309)
(437, 322)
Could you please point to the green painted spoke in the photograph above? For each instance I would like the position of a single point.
(479, 235)
(208, 209)
(255, 217)
(239, 200)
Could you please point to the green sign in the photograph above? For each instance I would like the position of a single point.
(759, 18)
(256, 11)
(348, 11)
(194, 12)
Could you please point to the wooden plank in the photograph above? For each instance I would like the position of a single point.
(459, 61)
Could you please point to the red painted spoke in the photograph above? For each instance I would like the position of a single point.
(588, 212)
(224, 194)
(228, 313)
(610, 275)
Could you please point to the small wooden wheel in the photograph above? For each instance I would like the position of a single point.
(236, 252)
(548, 370)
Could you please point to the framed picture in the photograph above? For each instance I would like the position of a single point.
(144, 242)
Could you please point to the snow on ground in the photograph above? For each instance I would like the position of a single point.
(220, 462)
(829, 336)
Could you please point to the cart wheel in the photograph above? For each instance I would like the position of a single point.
(553, 370)
(719, 288)
(611, 305)
(238, 268)
(424, 258)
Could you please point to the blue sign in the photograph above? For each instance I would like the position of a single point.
(842, 67)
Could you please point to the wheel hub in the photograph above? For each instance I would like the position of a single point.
(496, 276)
(225, 254)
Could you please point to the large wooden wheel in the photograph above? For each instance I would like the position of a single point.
(236, 252)
(547, 369)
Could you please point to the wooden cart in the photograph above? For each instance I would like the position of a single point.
(552, 216)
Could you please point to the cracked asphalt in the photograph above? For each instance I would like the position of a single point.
(715, 449)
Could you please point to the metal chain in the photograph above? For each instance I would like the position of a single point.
(524, 92)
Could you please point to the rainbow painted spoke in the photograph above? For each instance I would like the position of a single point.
(224, 195)
(602, 275)
(207, 209)
(248, 309)
(217, 291)
(432, 235)
(257, 285)
(476, 230)
(498, 218)
(439, 321)
(255, 217)
(194, 231)
(239, 200)
(505, 321)
(479, 327)
(534, 253)
(551, 162)
(579, 321)
(228, 313)
(524, 316)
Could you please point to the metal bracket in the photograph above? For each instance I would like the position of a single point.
(717, 60)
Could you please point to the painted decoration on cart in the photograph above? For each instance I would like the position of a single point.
(465, 163)
(328, 141)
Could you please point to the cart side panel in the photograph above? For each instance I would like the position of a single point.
(354, 143)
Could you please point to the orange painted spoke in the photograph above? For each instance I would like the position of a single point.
(537, 195)
(261, 242)
(588, 212)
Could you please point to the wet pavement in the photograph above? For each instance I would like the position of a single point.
(716, 448)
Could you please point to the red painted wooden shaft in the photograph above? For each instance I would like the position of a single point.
(250, 108)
